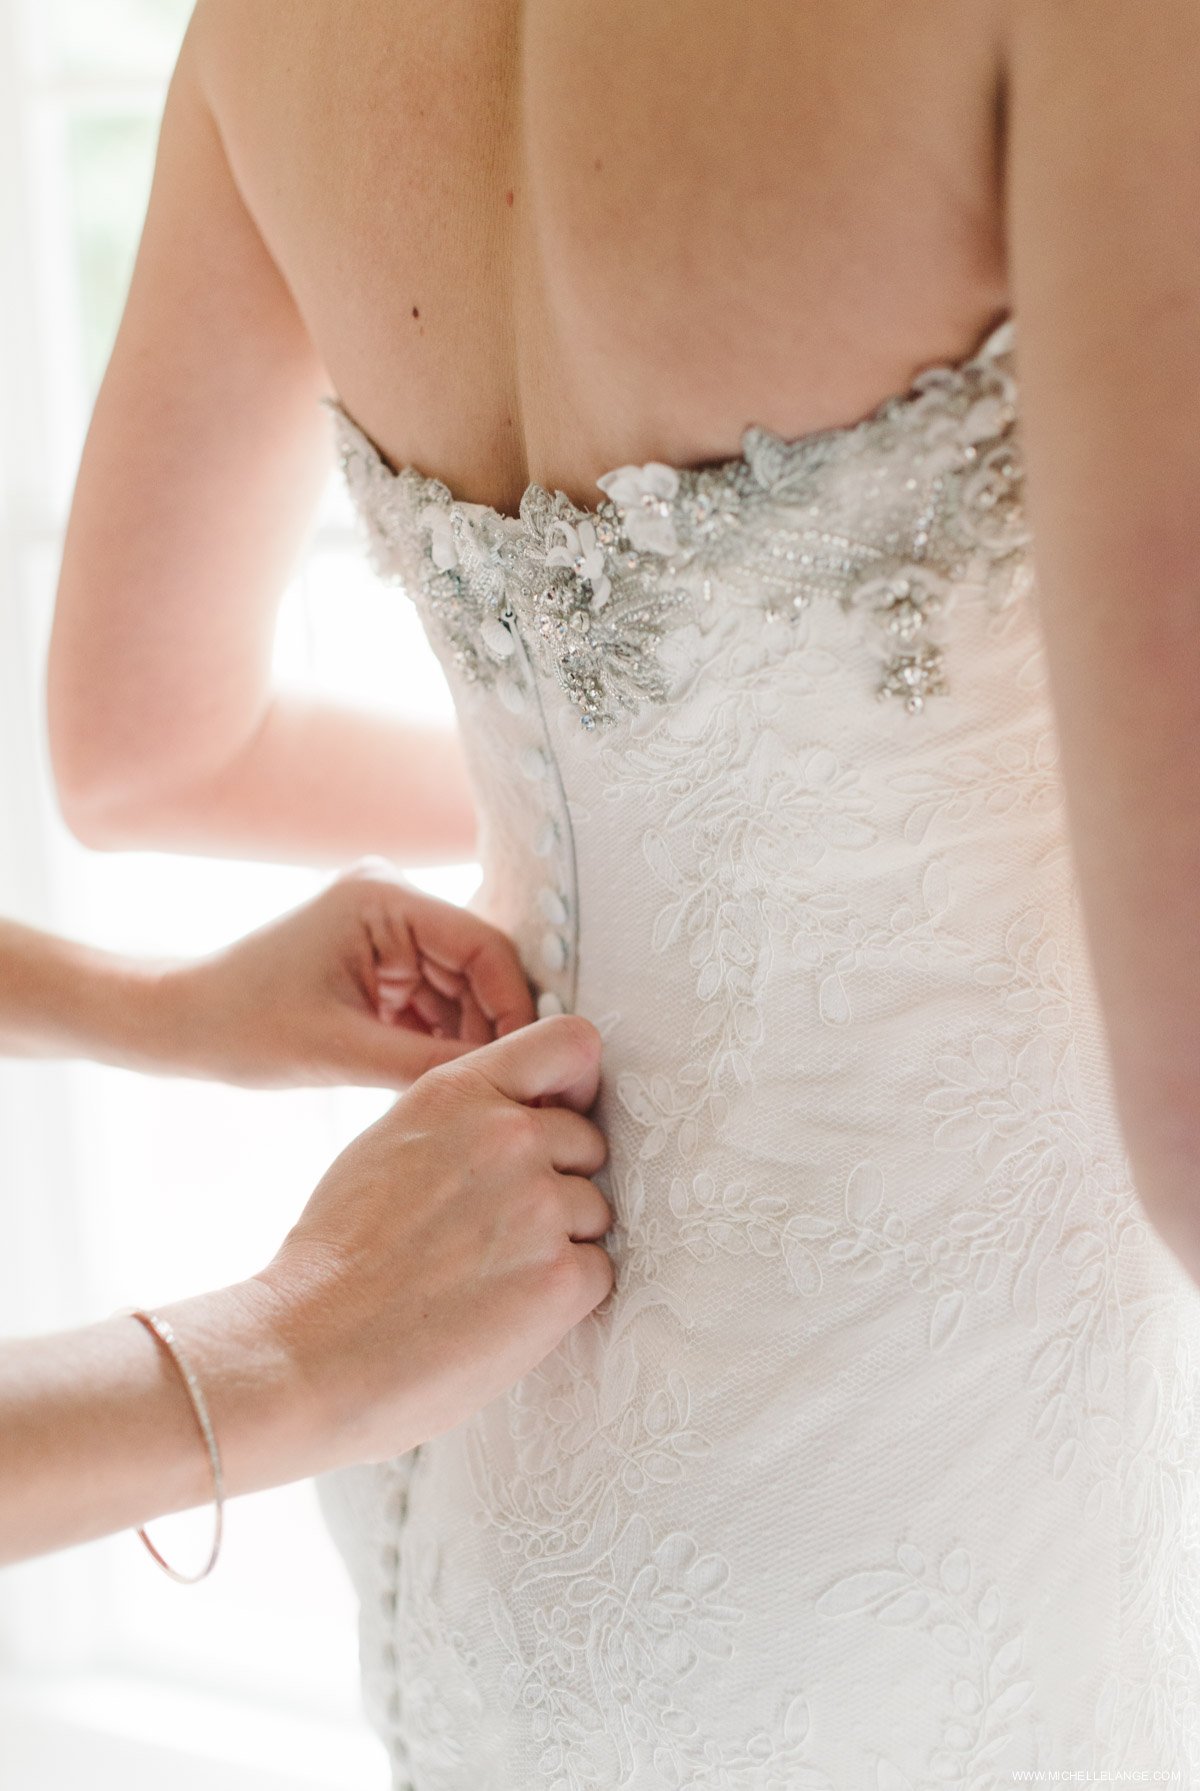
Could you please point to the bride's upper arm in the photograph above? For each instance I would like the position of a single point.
(1103, 221)
(202, 465)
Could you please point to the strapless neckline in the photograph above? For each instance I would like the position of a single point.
(656, 483)
(895, 512)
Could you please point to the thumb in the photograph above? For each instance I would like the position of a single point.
(556, 1059)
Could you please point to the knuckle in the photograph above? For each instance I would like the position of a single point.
(519, 1128)
(606, 1209)
(349, 884)
(369, 869)
(596, 1271)
(598, 1142)
(442, 1084)
(562, 1272)
(441, 1093)
(581, 1275)
(462, 1082)
(543, 1207)
(507, 1136)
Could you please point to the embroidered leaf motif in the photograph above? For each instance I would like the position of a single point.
(860, 1592)
(955, 1572)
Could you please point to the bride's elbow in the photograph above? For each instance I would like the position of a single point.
(120, 787)
(103, 809)
(86, 776)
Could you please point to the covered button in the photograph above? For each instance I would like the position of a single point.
(554, 951)
(497, 639)
(552, 906)
(532, 761)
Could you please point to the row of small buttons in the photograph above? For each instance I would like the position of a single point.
(535, 764)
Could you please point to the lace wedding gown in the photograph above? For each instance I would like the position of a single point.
(879, 1466)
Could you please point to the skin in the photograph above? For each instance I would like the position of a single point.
(535, 241)
(442, 1256)
(371, 983)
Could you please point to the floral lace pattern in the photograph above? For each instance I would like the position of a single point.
(984, 1688)
(880, 1466)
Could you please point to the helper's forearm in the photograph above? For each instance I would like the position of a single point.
(316, 784)
(62, 999)
(99, 1434)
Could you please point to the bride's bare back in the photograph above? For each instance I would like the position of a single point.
(535, 240)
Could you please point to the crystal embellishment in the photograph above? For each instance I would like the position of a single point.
(893, 515)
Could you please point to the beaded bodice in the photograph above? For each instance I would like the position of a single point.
(894, 514)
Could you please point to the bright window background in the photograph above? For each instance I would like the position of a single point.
(117, 1190)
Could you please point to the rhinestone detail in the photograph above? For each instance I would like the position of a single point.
(930, 486)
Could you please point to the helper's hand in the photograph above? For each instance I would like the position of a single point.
(371, 983)
(443, 1255)
(448, 1249)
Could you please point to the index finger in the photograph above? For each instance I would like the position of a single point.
(555, 1060)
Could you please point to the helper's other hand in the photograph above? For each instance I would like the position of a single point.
(444, 1254)
(447, 1250)
(371, 983)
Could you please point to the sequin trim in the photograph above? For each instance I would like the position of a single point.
(896, 514)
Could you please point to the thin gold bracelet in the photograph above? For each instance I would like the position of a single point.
(160, 1328)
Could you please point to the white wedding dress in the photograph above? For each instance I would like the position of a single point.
(880, 1467)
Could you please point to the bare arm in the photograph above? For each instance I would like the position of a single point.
(1103, 174)
(205, 456)
(62, 999)
(99, 1434)
(370, 982)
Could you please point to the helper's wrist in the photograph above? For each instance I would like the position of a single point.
(133, 1015)
(191, 1030)
(64, 999)
(178, 1026)
(109, 1008)
(272, 1419)
(315, 1329)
